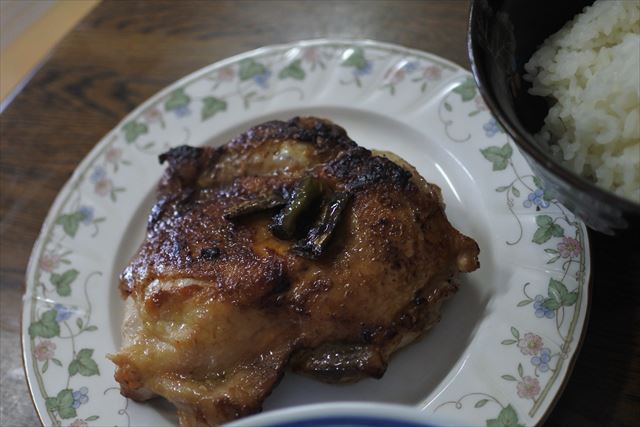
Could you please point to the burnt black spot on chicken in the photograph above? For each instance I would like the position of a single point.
(358, 168)
(419, 300)
(210, 254)
(369, 333)
(183, 153)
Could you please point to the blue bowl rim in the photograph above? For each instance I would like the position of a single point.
(358, 414)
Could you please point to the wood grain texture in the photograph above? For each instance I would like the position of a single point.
(35, 27)
(124, 52)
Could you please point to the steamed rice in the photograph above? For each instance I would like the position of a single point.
(591, 67)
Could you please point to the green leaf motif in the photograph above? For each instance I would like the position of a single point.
(356, 59)
(493, 154)
(86, 366)
(557, 231)
(293, 71)
(570, 299)
(74, 367)
(551, 304)
(506, 418)
(63, 281)
(558, 287)
(51, 403)
(544, 220)
(499, 156)
(546, 229)
(525, 302)
(480, 403)
(447, 106)
(92, 418)
(177, 99)
(249, 68)
(508, 342)
(541, 235)
(70, 223)
(560, 295)
(520, 370)
(133, 130)
(65, 404)
(67, 412)
(556, 290)
(515, 191)
(515, 333)
(211, 106)
(46, 327)
(508, 378)
(91, 328)
(466, 90)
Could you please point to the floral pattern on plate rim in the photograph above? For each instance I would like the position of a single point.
(56, 324)
(562, 237)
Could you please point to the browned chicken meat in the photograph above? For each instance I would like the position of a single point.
(290, 245)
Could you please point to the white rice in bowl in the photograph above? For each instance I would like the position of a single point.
(591, 68)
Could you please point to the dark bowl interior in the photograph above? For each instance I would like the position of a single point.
(503, 34)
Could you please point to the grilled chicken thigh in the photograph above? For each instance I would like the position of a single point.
(289, 245)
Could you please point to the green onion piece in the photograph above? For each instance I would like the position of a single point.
(307, 191)
(320, 234)
(261, 203)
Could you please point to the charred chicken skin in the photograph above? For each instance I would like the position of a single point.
(290, 245)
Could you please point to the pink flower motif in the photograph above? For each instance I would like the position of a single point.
(103, 187)
(311, 55)
(569, 247)
(113, 155)
(528, 388)
(45, 350)
(432, 72)
(226, 74)
(49, 262)
(397, 77)
(78, 423)
(530, 344)
(152, 115)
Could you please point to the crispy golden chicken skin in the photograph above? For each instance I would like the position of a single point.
(217, 306)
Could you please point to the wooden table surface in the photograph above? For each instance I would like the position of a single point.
(124, 52)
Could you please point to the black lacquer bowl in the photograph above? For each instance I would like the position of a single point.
(503, 34)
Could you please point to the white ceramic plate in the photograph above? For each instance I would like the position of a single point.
(506, 342)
